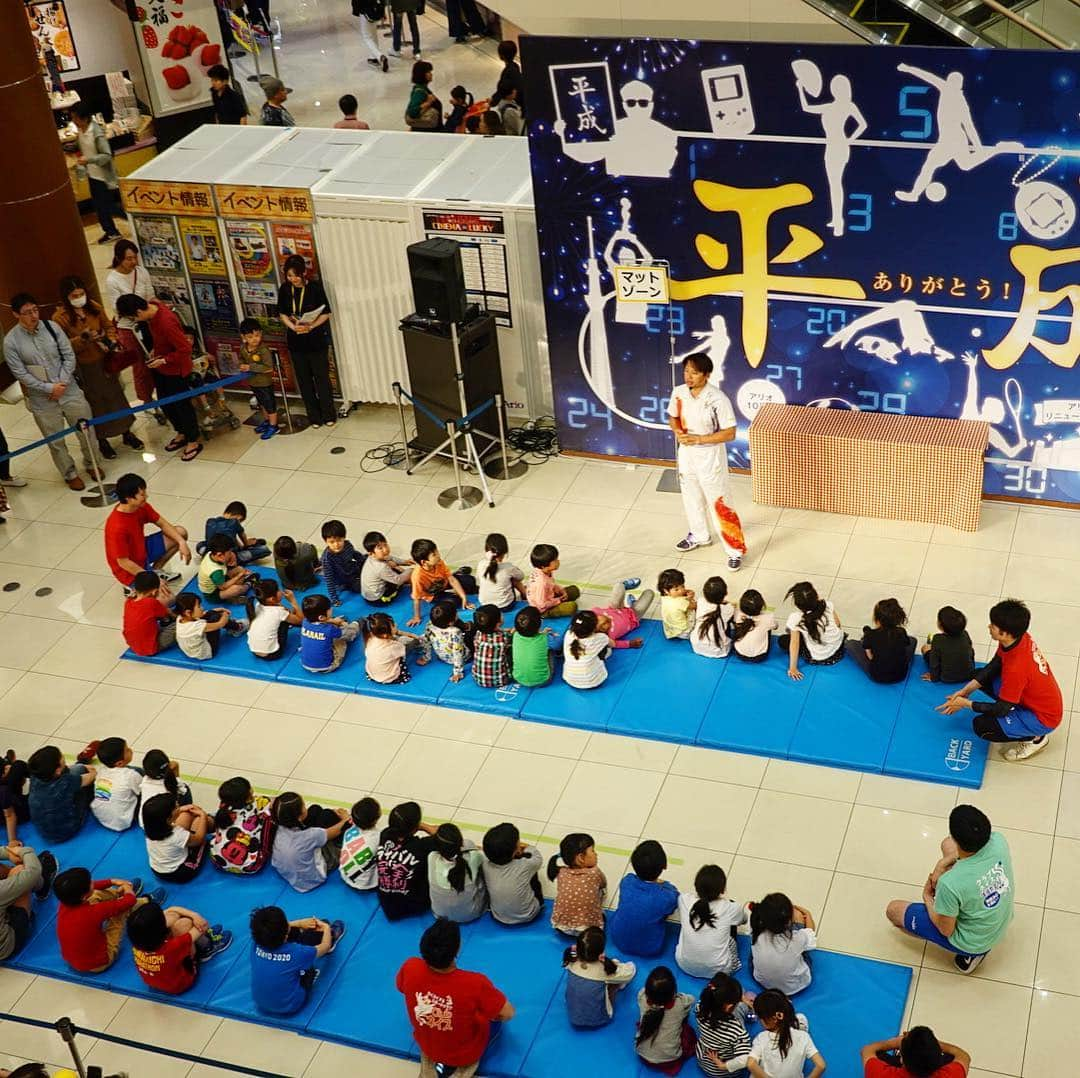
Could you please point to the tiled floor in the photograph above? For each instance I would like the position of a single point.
(840, 843)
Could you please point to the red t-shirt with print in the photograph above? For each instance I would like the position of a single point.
(171, 968)
(878, 1068)
(450, 1011)
(1027, 680)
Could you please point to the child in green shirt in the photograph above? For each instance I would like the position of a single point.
(533, 662)
(255, 360)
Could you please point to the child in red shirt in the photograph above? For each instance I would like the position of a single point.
(91, 918)
(168, 945)
(917, 1052)
(149, 625)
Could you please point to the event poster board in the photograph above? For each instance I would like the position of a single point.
(53, 39)
(882, 229)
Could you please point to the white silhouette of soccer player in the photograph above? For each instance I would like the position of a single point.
(835, 115)
(640, 145)
(957, 139)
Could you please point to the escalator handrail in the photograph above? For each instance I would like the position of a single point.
(1025, 24)
(845, 20)
(932, 13)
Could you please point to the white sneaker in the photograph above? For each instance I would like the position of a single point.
(1024, 750)
(968, 963)
(14, 481)
(690, 543)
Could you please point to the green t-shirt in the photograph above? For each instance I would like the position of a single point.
(530, 659)
(978, 891)
(212, 575)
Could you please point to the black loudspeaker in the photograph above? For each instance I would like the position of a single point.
(438, 280)
(437, 384)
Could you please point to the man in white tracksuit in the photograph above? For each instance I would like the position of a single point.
(703, 422)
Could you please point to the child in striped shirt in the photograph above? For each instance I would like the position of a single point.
(723, 1010)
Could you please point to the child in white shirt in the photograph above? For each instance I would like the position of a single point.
(813, 630)
(116, 786)
(198, 631)
(499, 581)
(584, 651)
(269, 619)
(162, 776)
(780, 935)
(707, 924)
(709, 636)
(751, 626)
(359, 866)
(782, 1049)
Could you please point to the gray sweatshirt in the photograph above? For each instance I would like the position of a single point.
(13, 888)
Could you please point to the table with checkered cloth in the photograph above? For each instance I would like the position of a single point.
(902, 467)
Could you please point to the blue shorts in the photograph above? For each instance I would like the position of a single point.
(155, 548)
(917, 922)
(1020, 723)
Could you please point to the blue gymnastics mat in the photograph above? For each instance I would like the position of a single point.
(835, 716)
(355, 1001)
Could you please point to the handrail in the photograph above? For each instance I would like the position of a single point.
(844, 19)
(1030, 27)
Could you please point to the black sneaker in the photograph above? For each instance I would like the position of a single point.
(968, 963)
(49, 868)
(168, 576)
(734, 563)
(136, 886)
(213, 943)
(337, 930)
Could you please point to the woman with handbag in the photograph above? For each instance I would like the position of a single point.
(424, 110)
(92, 337)
(128, 278)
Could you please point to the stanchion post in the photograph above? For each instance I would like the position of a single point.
(404, 432)
(106, 492)
(67, 1031)
(457, 497)
(293, 428)
(502, 469)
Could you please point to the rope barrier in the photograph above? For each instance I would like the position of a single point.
(441, 423)
(460, 424)
(126, 1042)
(85, 424)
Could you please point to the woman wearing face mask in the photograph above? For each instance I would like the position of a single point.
(92, 335)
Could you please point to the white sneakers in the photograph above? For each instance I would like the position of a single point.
(1024, 750)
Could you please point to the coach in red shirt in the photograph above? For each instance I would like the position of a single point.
(170, 365)
(128, 549)
(451, 1009)
(1027, 706)
(915, 1054)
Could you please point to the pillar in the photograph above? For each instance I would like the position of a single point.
(41, 232)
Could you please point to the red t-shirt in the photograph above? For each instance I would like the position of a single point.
(877, 1068)
(79, 929)
(1026, 679)
(141, 623)
(125, 538)
(450, 1012)
(171, 968)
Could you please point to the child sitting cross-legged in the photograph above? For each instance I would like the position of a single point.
(269, 619)
(677, 604)
(198, 631)
(449, 637)
(584, 650)
(175, 837)
(623, 614)
(456, 876)
(161, 775)
(24, 877)
(402, 863)
(14, 804)
(751, 626)
(580, 885)
(169, 945)
(723, 1011)
(511, 871)
(296, 564)
(784, 1047)
(708, 922)
(283, 969)
(949, 654)
(117, 786)
(342, 566)
(781, 933)
(710, 635)
(92, 914)
(665, 1038)
(385, 647)
(60, 796)
(383, 576)
(532, 660)
(307, 842)
(243, 829)
(645, 901)
(491, 648)
(231, 525)
(358, 866)
(542, 590)
(432, 580)
(221, 576)
(885, 651)
(500, 581)
(149, 625)
(593, 980)
(324, 639)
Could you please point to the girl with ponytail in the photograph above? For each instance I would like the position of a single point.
(710, 634)
(500, 581)
(593, 979)
(751, 626)
(584, 649)
(782, 1049)
(723, 1012)
(813, 630)
(162, 776)
(665, 1039)
(708, 922)
(456, 876)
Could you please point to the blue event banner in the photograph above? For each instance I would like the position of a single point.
(876, 228)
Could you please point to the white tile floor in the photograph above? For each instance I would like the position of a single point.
(870, 838)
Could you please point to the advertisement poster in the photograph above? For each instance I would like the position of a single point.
(226, 353)
(892, 230)
(482, 239)
(214, 302)
(294, 239)
(202, 247)
(259, 300)
(52, 34)
(175, 291)
(158, 246)
(249, 242)
(178, 43)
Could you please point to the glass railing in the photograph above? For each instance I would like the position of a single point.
(1013, 24)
